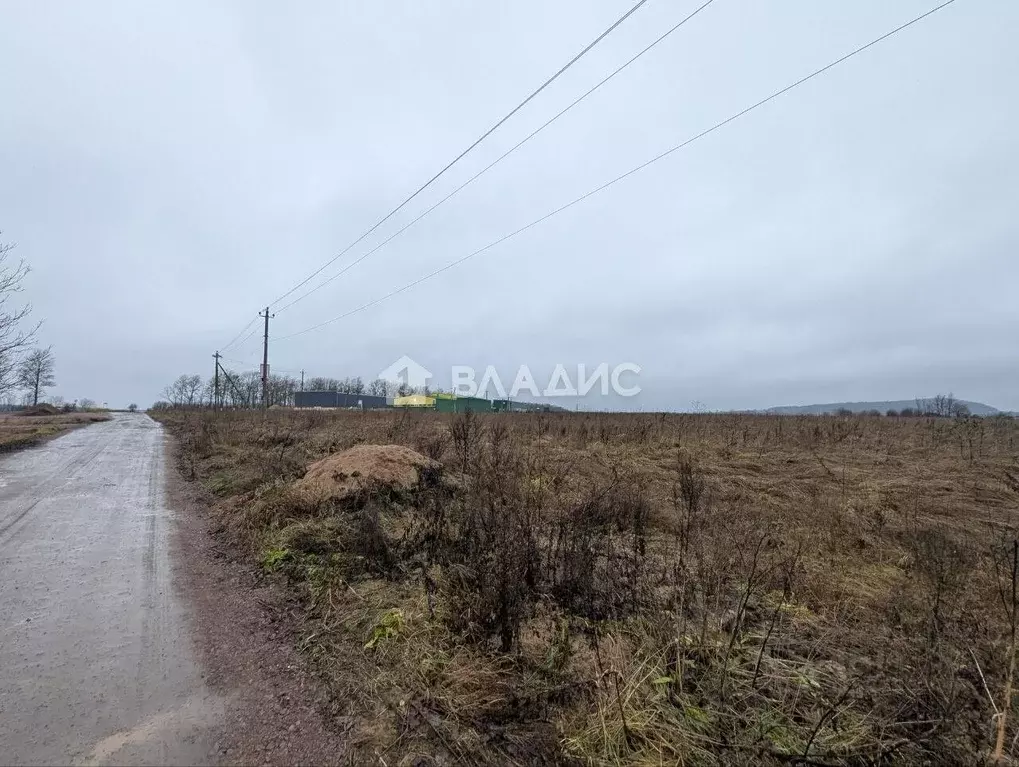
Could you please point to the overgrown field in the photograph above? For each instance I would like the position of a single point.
(21, 431)
(659, 589)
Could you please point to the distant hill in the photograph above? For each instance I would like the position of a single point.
(976, 408)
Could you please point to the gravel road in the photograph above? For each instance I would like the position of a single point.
(96, 659)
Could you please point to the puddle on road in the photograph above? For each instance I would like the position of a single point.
(146, 742)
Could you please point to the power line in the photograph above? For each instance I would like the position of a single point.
(240, 346)
(249, 336)
(239, 335)
(498, 160)
(628, 173)
(460, 156)
(274, 370)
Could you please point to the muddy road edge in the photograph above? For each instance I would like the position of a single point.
(244, 634)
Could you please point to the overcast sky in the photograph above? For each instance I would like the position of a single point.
(169, 168)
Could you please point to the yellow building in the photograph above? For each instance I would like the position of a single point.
(414, 400)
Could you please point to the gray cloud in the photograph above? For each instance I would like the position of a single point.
(168, 169)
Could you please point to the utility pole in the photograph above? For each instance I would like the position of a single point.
(302, 380)
(265, 359)
(215, 386)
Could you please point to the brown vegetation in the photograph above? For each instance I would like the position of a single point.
(22, 429)
(598, 588)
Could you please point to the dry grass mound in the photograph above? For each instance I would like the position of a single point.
(43, 409)
(364, 467)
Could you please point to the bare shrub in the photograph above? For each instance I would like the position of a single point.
(434, 445)
(597, 561)
(466, 432)
(944, 565)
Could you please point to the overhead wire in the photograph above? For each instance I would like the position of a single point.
(235, 361)
(462, 154)
(274, 369)
(248, 337)
(243, 330)
(498, 160)
(627, 174)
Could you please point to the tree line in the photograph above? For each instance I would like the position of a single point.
(236, 390)
(941, 406)
(355, 385)
(244, 390)
(938, 406)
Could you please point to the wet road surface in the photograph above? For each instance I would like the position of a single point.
(96, 662)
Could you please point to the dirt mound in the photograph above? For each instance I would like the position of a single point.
(43, 409)
(342, 475)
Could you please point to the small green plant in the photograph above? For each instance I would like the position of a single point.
(389, 626)
(273, 559)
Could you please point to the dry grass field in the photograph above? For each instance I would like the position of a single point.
(641, 588)
(20, 431)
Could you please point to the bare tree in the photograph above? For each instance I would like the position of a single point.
(250, 384)
(185, 391)
(319, 383)
(192, 390)
(282, 390)
(942, 406)
(174, 393)
(209, 396)
(378, 388)
(231, 390)
(14, 337)
(36, 372)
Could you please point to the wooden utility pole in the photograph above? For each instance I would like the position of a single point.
(265, 358)
(302, 380)
(215, 385)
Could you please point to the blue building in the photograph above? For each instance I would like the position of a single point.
(338, 399)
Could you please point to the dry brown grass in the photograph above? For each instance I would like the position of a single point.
(18, 432)
(605, 588)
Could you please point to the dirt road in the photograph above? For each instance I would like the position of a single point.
(96, 661)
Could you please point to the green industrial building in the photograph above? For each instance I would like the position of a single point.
(451, 403)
